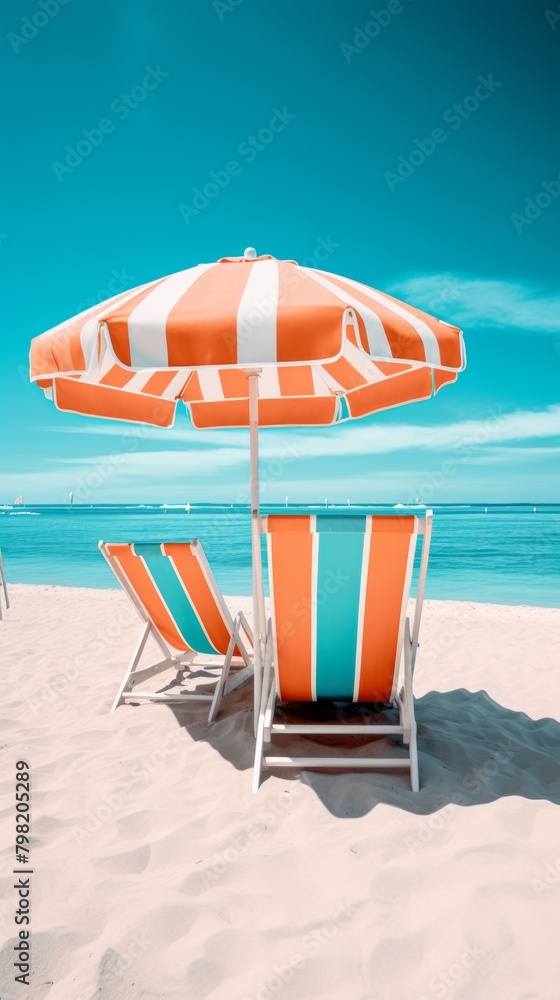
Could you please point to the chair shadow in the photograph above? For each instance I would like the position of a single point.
(471, 751)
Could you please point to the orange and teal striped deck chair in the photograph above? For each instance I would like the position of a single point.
(339, 630)
(176, 595)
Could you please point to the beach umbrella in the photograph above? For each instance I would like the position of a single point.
(251, 342)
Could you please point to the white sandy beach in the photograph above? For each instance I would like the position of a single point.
(158, 874)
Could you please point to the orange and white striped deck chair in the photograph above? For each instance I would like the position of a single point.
(339, 630)
(176, 595)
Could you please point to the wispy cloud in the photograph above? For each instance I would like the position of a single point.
(350, 440)
(485, 302)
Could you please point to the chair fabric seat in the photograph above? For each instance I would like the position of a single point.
(339, 586)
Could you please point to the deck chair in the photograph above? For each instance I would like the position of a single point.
(3, 585)
(174, 591)
(339, 629)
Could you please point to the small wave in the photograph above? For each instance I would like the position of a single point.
(24, 513)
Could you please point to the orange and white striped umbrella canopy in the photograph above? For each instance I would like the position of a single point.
(327, 348)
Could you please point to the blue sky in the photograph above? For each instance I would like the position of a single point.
(470, 233)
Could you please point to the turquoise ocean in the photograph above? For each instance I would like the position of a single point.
(496, 553)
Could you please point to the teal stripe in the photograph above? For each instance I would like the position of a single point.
(179, 604)
(338, 602)
(343, 412)
(341, 522)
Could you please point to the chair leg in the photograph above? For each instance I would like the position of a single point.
(269, 711)
(266, 709)
(257, 767)
(413, 751)
(224, 686)
(404, 720)
(220, 686)
(132, 666)
(409, 721)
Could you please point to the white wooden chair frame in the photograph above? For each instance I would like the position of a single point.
(186, 662)
(403, 700)
(4, 586)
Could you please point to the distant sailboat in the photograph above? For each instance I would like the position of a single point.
(286, 501)
(70, 498)
(326, 502)
(19, 501)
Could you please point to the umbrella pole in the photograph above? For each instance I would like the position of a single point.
(259, 615)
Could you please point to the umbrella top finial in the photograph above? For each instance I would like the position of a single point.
(250, 253)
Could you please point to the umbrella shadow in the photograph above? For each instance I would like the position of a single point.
(472, 750)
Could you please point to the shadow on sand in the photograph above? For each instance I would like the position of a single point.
(471, 751)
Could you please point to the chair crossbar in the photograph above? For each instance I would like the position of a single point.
(346, 730)
(345, 763)
(164, 696)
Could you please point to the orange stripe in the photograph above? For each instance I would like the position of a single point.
(60, 351)
(192, 390)
(202, 326)
(234, 384)
(292, 585)
(404, 340)
(448, 337)
(201, 595)
(117, 322)
(391, 524)
(296, 381)
(406, 388)
(148, 595)
(309, 317)
(75, 396)
(116, 377)
(388, 562)
(288, 522)
(316, 411)
(442, 378)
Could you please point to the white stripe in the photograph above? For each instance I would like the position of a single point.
(429, 339)
(94, 376)
(320, 386)
(210, 385)
(177, 384)
(256, 316)
(147, 322)
(330, 382)
(362, 608)
(269, 384)
(377, 338)
(363, 365)
(138, 381)
(404, 607)
(89, 342)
